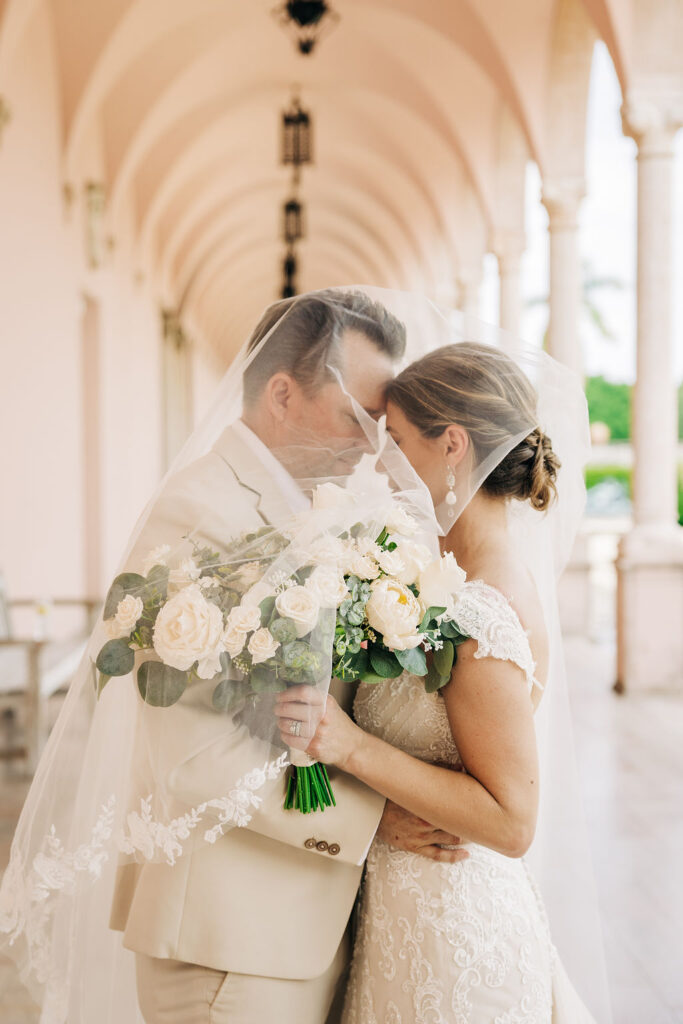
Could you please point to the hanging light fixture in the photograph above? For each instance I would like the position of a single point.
(296, 139)
(292, 221)
(307, 20)
(289, 269)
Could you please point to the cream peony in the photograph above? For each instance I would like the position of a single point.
(244, 618)
(395, 612)
(262, 645)
(441, 581)
(327, 586)
(157, 556)
(399, 521)
(128, 611)
(299, 605)
(415, 558)
(188, 628)
(331, 496)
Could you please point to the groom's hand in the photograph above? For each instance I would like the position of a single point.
(404, 830)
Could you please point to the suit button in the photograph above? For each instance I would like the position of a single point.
(310, 844)
(334, 849)
(322, 846)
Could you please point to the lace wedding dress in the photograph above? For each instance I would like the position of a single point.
(465, 943)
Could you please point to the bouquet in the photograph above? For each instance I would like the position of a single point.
(361, 607)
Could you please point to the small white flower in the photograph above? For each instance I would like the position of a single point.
(128, 611)
(244, 618)
(186, 572)
(328, 586)
(441, 581)
(208, 667)
(391, 563)
(331, 496)
(298, 604)
(363, 566)
(262, 645)
(157, 556)
(399, 521)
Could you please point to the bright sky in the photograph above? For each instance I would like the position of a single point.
(607, 237)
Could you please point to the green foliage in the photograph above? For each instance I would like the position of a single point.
(160, 685)
(116, 658)
(596, 474)
(611, 404)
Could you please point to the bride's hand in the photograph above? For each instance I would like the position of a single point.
(326, 733)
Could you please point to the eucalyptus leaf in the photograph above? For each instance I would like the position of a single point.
(283, 630)
(372, 678)
(102, 681)
(116, 658)
(264, 680)
(385, 663)
(433, 680)
(443, 659)
(267, 607)
(229, 695)
(353, 666)
(430, 616)
(413, 661)
(160, 685)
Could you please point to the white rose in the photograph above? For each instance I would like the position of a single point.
(328, 586)
(395, 612)
(187, 572)
(331, 496)
(209, 666)
(299, 605)
(157, 556)
(262, 645)
(415, 558)
(363, 566)
(328, 550)
(128, 611)
(441, 581)
(391, 563)
(244, 618)
(367, 546)
(188, 629)
(399, 521)
(233, 641)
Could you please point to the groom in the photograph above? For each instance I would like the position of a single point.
(253, 929)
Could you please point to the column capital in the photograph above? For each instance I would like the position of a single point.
(508, 247)
(562, 199)
(652, 121)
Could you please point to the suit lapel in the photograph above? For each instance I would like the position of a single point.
(253, 476)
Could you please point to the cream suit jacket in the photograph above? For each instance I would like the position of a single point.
(269, 899)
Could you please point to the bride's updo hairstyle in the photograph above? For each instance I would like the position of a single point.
(485, 392)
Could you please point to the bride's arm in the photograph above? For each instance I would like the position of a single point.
(491, 716)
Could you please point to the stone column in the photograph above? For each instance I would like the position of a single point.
(562, 200)
(509, 250)
(650, 560)
(467, 285)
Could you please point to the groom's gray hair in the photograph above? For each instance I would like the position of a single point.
(305, 334)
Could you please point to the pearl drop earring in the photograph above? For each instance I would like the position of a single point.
(451, 496)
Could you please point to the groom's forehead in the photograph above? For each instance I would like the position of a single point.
(365, 370)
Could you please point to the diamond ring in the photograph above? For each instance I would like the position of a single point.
(295, 728)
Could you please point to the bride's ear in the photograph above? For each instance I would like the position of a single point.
(457, 443)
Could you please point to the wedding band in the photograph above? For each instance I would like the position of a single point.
(295, 728)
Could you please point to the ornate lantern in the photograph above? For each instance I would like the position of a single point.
(307, 20)
(292, 222)
(297, 148)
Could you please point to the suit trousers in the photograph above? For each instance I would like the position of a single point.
(173, 992)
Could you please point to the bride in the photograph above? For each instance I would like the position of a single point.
(468, 942)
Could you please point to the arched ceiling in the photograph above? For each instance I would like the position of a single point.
(424, 111)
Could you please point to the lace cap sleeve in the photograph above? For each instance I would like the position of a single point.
(486, 615)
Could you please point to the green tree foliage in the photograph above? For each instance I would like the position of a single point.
(611, 404)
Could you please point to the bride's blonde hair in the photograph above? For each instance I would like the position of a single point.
(483, 390)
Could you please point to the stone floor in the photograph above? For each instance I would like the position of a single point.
(631, 759)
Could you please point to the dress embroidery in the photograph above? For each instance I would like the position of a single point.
(465, 943)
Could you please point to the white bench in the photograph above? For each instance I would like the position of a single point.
(32, 670)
